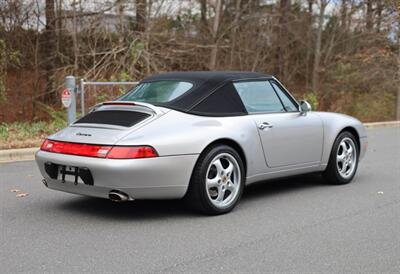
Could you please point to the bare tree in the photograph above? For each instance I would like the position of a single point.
(379, 9)
(50, 38)
(318, 44)
(74, 35)
(203, 13)
(141, 15)
(235, 28)
(309, 41)
(283, 38)
(120, 11)
(369, 15)
(343, 14)
(214, 49)
(307, 45)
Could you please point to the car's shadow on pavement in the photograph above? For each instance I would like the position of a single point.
(150, 209)
(263, 189)
(135, 210)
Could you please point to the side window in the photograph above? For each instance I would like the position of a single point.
(259, 97)
(288, 104)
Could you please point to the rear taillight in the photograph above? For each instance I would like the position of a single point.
(99, 151)
(117, 152)
(75, 148)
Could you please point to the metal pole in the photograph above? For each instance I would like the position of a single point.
(71, 110)
(82, 97)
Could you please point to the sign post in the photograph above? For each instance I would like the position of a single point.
(68, 98)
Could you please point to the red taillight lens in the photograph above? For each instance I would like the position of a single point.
(75, 148)
(131, 152)
(47, 145)
(89, 150)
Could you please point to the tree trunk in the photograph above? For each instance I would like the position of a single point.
(369, 15)
(214, 50)
(234, 31)
(203, 26)
(282, 52)
(309, 42)
(74, 37)
(379, 8)
(141, 15)
(120, 11)
(59, 24)
(343, 15)
(318, 43)
(203, 12)
(49, 47)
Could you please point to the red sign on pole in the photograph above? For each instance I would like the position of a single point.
(66, 98)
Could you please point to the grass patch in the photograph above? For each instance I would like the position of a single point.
(30, 134)
(25, 134)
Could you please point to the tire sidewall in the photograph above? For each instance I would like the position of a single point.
(202, 171)
(332, 161)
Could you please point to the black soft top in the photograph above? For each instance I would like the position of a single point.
(212, 94)
(201, 76)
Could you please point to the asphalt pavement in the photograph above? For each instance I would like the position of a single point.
(293, 225)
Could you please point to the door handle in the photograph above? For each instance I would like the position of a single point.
(265, 125)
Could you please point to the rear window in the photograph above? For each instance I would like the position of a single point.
(157, 92)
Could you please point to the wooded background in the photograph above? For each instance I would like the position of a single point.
(341, 55)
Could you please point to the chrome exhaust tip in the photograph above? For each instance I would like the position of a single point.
(118, 196)
(44, 182)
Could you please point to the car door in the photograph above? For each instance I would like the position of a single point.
(288, 137)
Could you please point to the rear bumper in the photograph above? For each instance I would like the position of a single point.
(151, 178)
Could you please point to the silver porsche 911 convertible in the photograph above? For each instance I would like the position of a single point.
(202, 136)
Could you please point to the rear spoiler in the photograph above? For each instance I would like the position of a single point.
(155, 109)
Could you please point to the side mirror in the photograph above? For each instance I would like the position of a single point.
(304, 107)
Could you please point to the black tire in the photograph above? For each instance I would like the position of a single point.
(197, 197)
(332, 174)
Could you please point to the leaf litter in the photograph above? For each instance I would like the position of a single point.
(19, 193)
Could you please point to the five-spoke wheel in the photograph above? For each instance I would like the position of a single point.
(217, 181)
(346, 157)
(223, 180)
(343, 160)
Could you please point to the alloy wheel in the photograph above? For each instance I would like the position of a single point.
(346, 158)
(223, 180)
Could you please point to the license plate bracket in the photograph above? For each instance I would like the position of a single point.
(65, 171)
(79, 174)
(69, 173)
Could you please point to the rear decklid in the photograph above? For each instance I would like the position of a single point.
(109, 122)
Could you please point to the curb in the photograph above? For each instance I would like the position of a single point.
(28, 154)
(19, 154)
(382, 124)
